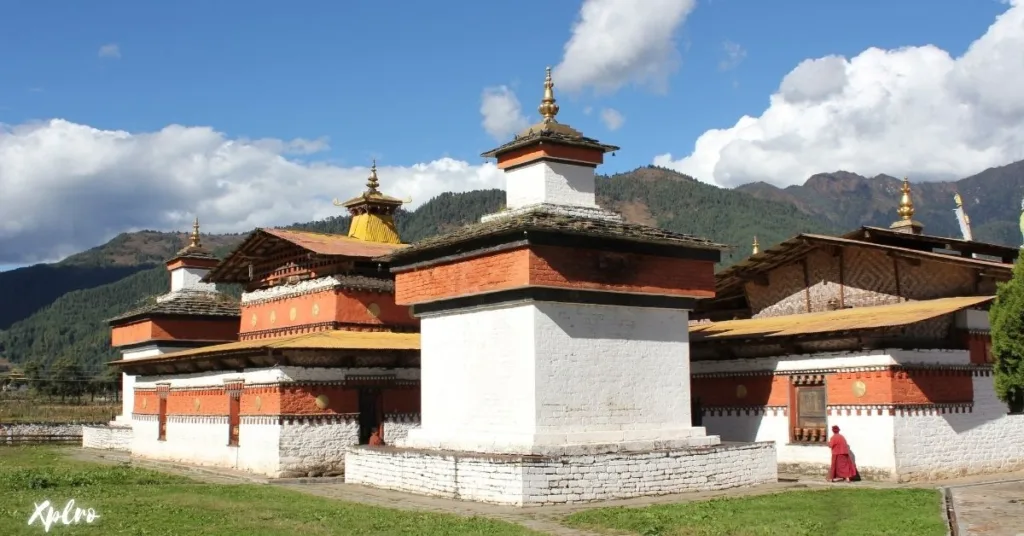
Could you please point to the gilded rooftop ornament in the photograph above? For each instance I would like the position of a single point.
(548, 107)
(757, 247)
(906, 223)
(194, 238)
(906, 210)
(371, 183)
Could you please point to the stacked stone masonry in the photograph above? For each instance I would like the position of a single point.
(534, 481)
(107, 437)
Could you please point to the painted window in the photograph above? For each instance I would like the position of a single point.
(808, 413)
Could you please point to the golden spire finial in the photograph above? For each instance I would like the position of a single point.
(548, 108)
(956, 199)
(372, 184)
(757, 247)
(906, 210)
(194, 238)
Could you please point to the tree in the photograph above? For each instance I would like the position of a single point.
(1006, 320)
(35, 374)
(67, 379)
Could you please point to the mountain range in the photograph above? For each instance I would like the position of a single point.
(58, 310)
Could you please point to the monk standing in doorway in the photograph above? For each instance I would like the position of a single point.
(375, 439)
(842, 467)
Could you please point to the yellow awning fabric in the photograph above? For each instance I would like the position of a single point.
(322, 340)
(857, 318)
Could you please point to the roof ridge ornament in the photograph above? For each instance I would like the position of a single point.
(194, 237)
(548, 107)
(906, 210)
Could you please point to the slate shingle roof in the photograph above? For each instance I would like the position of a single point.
(540, 220)
(185, 303)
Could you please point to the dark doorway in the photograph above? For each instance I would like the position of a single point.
(370, 416)
(696, 416)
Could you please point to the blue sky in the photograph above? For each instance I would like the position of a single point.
(402, 80)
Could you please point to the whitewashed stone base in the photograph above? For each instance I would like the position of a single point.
(109, 437)
(519, 480)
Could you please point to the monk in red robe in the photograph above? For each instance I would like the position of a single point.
(842, 466)
(375, 439)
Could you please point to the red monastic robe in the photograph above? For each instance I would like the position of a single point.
(842, 463)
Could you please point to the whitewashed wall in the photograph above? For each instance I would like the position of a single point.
(870, 438)
(921, 444)
(571, 374)
(298, 447)
(985, 440)
(550, 182)
(834, 360)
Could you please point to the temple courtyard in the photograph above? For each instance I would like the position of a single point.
(131, 497)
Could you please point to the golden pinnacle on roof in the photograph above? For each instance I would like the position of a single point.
(956, 199)
(371, 183)
(757, 247)
(548, 107)
(906, 210)
(194, 238)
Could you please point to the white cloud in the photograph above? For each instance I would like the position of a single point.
(67, 187)
(612, 119)
(615, 42)
(734, 55)
(110, 50)
(913, 110)
(502, 113)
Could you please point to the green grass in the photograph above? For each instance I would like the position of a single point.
(137, 501)
(832, 512)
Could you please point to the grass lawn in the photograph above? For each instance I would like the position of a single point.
(832, 512)
(137, 501)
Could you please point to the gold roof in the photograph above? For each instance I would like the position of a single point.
(854, 319)
(321, 340)
(373, 213)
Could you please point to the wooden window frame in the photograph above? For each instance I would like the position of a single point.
(803, 435)
(234, 394)
(162, 392)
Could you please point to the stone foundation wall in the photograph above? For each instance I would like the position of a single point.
(316, 447)
(107, 437)
(534, 480)
(934, 445)
(42, 429)
(397, 426)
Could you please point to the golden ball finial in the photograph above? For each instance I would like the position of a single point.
(906, 210)
(548, 107)
(194, 238)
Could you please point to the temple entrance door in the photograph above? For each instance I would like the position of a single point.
(370, 416)
(696, 416)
